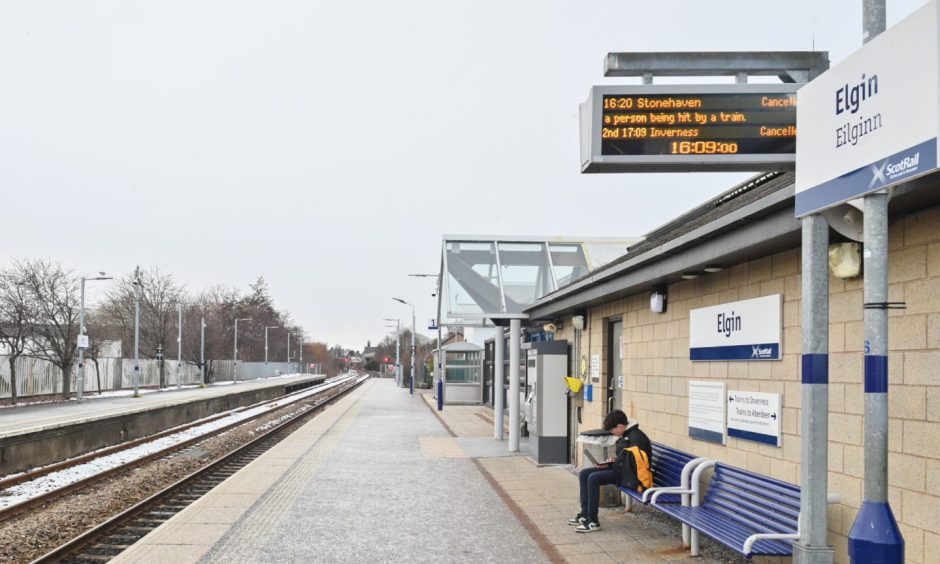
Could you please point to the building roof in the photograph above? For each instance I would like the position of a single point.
(751, 220)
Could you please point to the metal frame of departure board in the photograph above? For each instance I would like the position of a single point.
(739, 151)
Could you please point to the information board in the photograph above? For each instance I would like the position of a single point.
(686, 128)
(707, 411)
(754, 416)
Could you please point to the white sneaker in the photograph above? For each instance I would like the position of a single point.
(588, 527)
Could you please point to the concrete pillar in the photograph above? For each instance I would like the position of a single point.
(499, 379)
(515, 332)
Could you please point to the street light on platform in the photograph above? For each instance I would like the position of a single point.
(440, 347)
(266, 341)
(82, 337)
(235, 356)
(412, 341)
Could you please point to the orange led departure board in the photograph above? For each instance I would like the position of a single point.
(720, 127)
(706, 124)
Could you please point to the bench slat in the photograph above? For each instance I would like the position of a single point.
(767, 508)
(738, 504)
(717, 527)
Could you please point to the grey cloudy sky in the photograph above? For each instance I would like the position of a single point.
(327, 146)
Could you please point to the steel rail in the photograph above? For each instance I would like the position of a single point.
(13, 510)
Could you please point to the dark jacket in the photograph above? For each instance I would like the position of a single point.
(634, 455)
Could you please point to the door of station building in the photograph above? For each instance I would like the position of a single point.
(614, 366)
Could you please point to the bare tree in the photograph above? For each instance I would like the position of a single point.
(54, 293)
(159, 296)
(16, 316)
(215, 306)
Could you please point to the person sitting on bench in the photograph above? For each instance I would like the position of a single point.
(630, 469)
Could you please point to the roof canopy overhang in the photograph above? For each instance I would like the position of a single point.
(486, 280)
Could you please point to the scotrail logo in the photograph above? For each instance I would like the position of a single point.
(761, 352)
(888, 171)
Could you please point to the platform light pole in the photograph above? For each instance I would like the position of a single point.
(202, 349)
(179, 346)
(397, 348)
(82, 338)
(301, 357)
(288, 348)
(412, 341)
(266, 346)
(440, 347)
(137, 283)
(235, 355)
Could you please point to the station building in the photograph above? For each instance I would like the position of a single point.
(746, 244)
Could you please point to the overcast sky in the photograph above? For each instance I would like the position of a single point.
(327, 146)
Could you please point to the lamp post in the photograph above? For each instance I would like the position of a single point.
(202, 350)
(179, 346)
(289, 333)
(412, 342)
(300, 359)
(137, 283)
(266, 343)
(440, 347)
(82, 338)
(397, 349)
(235, 355)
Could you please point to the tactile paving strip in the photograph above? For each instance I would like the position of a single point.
(440, 447)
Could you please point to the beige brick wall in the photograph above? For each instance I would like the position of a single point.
(657, 371)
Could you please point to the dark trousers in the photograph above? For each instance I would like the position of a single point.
(591, 480)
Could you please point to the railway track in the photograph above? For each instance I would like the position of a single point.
(108, 539)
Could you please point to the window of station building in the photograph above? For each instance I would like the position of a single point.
(525, 274)
(464, 367)
(568, 262)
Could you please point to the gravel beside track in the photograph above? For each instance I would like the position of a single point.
(34, 533)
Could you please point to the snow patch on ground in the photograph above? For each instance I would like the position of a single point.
(43, 484)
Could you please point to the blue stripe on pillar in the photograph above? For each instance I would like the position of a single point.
(876, 374)
(815, 368)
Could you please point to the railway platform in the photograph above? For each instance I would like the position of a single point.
(381, 476)
(36, 434)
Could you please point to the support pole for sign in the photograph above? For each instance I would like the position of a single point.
(812, 547)
(515, 331)
(499, 377)
(875, 536)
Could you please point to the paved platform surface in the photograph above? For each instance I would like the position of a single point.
(23, 419)
(382, 476)
(375, 477)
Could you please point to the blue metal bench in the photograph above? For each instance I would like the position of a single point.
(750, 513)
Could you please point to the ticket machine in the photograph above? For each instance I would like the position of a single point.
(546, 403)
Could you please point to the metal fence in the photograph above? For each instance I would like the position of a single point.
(40, 377)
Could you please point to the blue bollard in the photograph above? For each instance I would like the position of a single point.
(875, 538)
